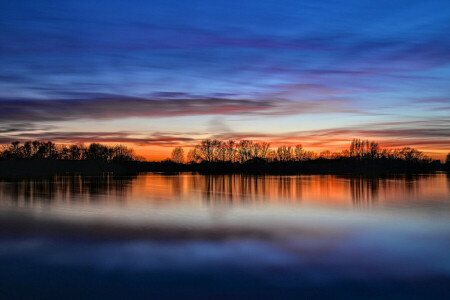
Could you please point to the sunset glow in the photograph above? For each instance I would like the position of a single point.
(160, 74)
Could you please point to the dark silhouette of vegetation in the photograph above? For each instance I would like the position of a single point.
(178, 155)
(35, 158)
(50, 151)
(362, 156)
(55, 188)
(244, 151)
(213, 156)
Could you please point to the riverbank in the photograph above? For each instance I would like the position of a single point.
(26, 168)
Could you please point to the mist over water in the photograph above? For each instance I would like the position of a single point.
(226, 236)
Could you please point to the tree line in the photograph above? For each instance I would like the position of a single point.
(210, 150)
(51, 151)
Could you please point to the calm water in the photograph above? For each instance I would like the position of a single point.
(212, 237)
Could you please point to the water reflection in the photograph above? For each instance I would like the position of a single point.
(448, 181)
(189, 234)
(66, 188)
(364, 191)
(217, 190)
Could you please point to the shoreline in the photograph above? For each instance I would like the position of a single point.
(43, 168)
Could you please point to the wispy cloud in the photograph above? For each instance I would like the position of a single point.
(118, 137)
(116, 107)
(420, 134)
(70, 61)
(432, 137)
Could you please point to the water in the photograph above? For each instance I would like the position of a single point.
(214, 237)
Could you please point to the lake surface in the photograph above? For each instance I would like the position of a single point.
(219, 237)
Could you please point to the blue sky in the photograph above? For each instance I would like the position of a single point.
(161, 73)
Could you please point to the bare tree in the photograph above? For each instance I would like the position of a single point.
(178, 155)
(75, 152)
(299, 153)
(284, 153)
(230, 150)
(326, 154)
(264, 148)
(194, 155)
(206, 148)
(374, 150)
(258, 150)
(244, 150)
(218, 153)
(27, 150)
(411, 154)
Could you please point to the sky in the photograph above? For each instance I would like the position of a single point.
(158, 74)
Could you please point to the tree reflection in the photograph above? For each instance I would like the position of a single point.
(234, 189)
(364, 191)
(448, 179)
(66, 189)
(228, 190)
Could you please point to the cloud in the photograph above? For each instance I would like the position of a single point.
(13, 127)
(160, 139)
(226, 60)
(420, 134)
(427, 135)
(116, 107)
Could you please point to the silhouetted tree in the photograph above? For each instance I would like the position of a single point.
(447, 162)
(75, 152)
(230, 150)
(326, 154)
(244, 150)
(178, 155)
(284, 153)
(27, 150)
(258, 150)
(374, 150)
(215, 151)
(206, 149)
(97, 151)
(364, 149)
(298, 152)
(194, 155)
(121, 153)
(35, 145)
(219, 153)
(411, 154)
(49, 150)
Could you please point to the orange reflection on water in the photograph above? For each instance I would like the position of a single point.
(158, 189)
(314, 190)
(234, 189)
